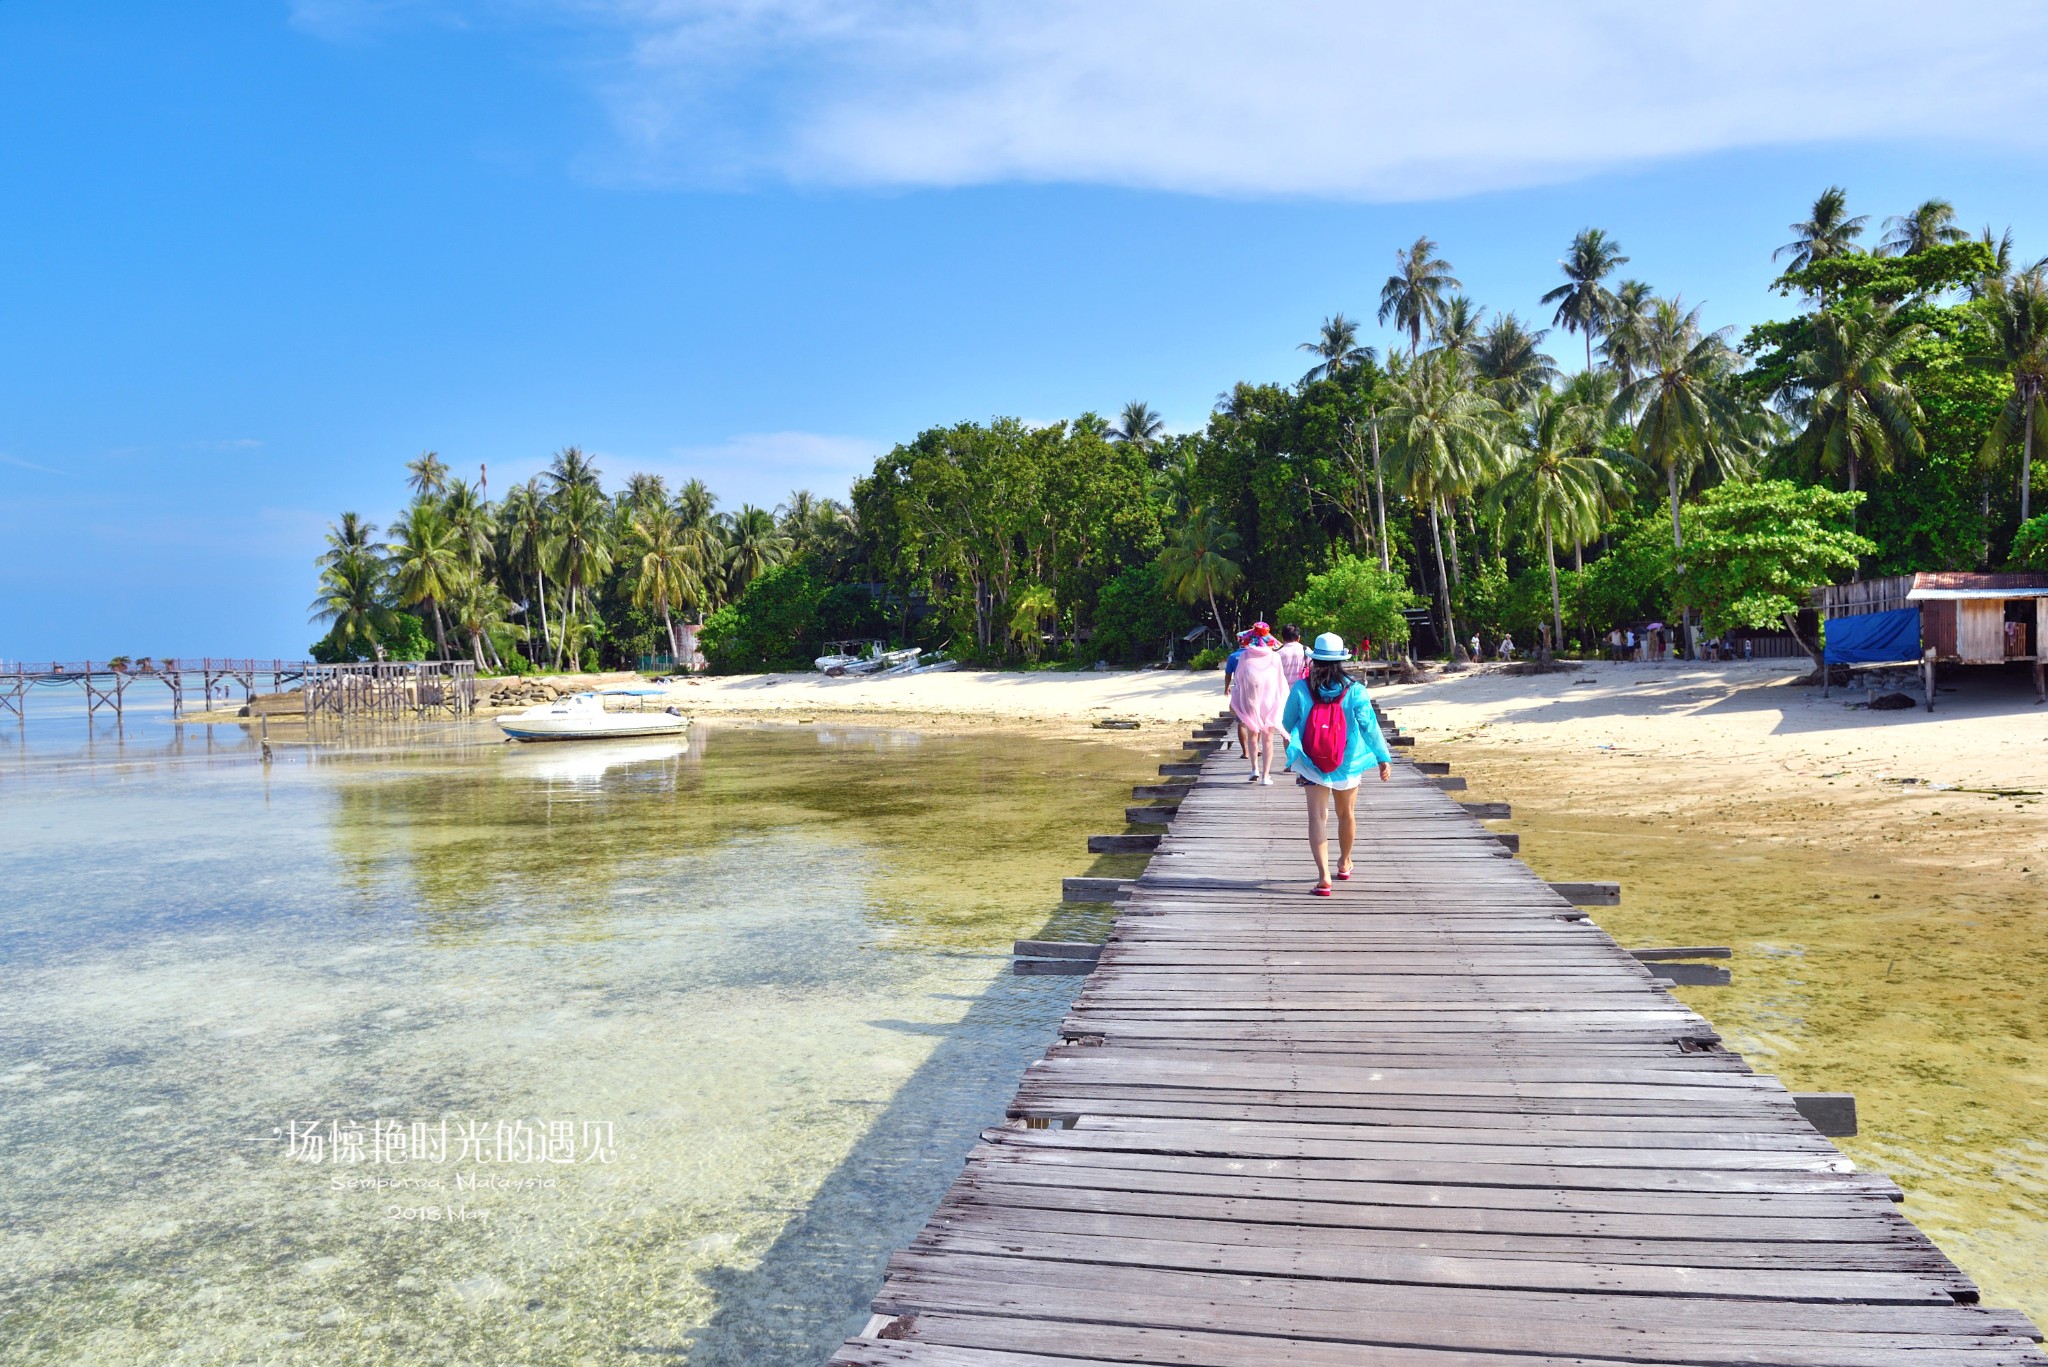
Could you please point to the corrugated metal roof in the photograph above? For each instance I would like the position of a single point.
(1950, 595)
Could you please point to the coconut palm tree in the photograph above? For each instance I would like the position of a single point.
(472, 521)
(1196, 564)
(1827, 232)
(1930, 225)
(703, 539)
(581, 544)
(426, 564)
(1457, 326)
(571, 469)
(752, 544)
(1563, 480)
(1413, 295)
(1138, 426)
(1442, 432)
(1685, 407)
(1336, 350)
(528, 523)
(427, 475)
(1627, 329)
(644, 491)
(1030, 605)
(2018, 313)
(354, 586)
(1508, 357)
(482, 612)
(1583, 302)
(348, 537)
(667, 578)
(1857, 413)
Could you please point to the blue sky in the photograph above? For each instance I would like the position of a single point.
(253, 257)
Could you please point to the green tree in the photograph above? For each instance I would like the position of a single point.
(527, 523)
(1686, 407)
(1336, 349)
(1138, 426)
(1628, 329)
(2018, 312)
(1443, 436)
(773, 625)
(583, 552)
(1584, 303)
(1136, 616)
(1197, 564)
(354, 592)
(1931, 224)
(1413, 296)
(427, 475)
(667, 579)
(1856, 413)
(1563, 480)
(1828, 231)
(1030, 605)
(426, 564)
(1510, 359)
(753, 544)
(1356, 599)
(572, 469)
(1754, 550)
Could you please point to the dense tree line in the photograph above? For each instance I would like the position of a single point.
(1888, 425)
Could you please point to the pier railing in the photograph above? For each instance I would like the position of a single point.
(385, 689)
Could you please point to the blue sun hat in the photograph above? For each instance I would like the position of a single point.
(1329, 646)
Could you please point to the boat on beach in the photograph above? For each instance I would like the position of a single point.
(842, 663)
(584, 716)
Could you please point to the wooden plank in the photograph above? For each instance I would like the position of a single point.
(1589, 894)
(1123, 844)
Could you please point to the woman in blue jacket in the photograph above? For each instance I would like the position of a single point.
(1330, 717)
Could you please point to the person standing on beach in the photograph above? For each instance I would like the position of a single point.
(1332, 736)
(1293, 655)
(1258, 695)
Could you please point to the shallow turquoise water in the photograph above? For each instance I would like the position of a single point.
(766, 967)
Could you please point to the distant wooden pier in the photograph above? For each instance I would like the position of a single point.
(385, 689)
(1439, 1120)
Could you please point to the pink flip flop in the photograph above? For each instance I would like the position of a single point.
(1344, 876)
(1320, 891)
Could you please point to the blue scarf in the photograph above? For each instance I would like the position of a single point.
(1334, 693)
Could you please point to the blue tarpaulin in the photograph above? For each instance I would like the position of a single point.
(1874, 638)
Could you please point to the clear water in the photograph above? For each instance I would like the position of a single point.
(770, 962)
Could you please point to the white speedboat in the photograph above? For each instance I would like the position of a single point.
(584, 716)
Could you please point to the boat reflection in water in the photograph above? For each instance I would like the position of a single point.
(587, 764)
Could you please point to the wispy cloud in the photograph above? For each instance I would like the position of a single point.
(19, 463)
(1359, 99)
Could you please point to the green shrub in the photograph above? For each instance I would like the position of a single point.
(2030, 545)
(1356, 599)
(1135, 616)
(773, 625)
(1209, 658)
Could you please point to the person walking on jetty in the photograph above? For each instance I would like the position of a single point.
(1332, 736)
(1258, 695)
(1293, 655)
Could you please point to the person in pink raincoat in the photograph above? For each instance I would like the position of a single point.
(1258, 695)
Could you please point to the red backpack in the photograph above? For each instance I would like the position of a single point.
(1327, 733)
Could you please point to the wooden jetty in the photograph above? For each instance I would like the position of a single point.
(1438, 1120)
(382, 689)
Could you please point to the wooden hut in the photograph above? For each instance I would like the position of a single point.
(1965, 618)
